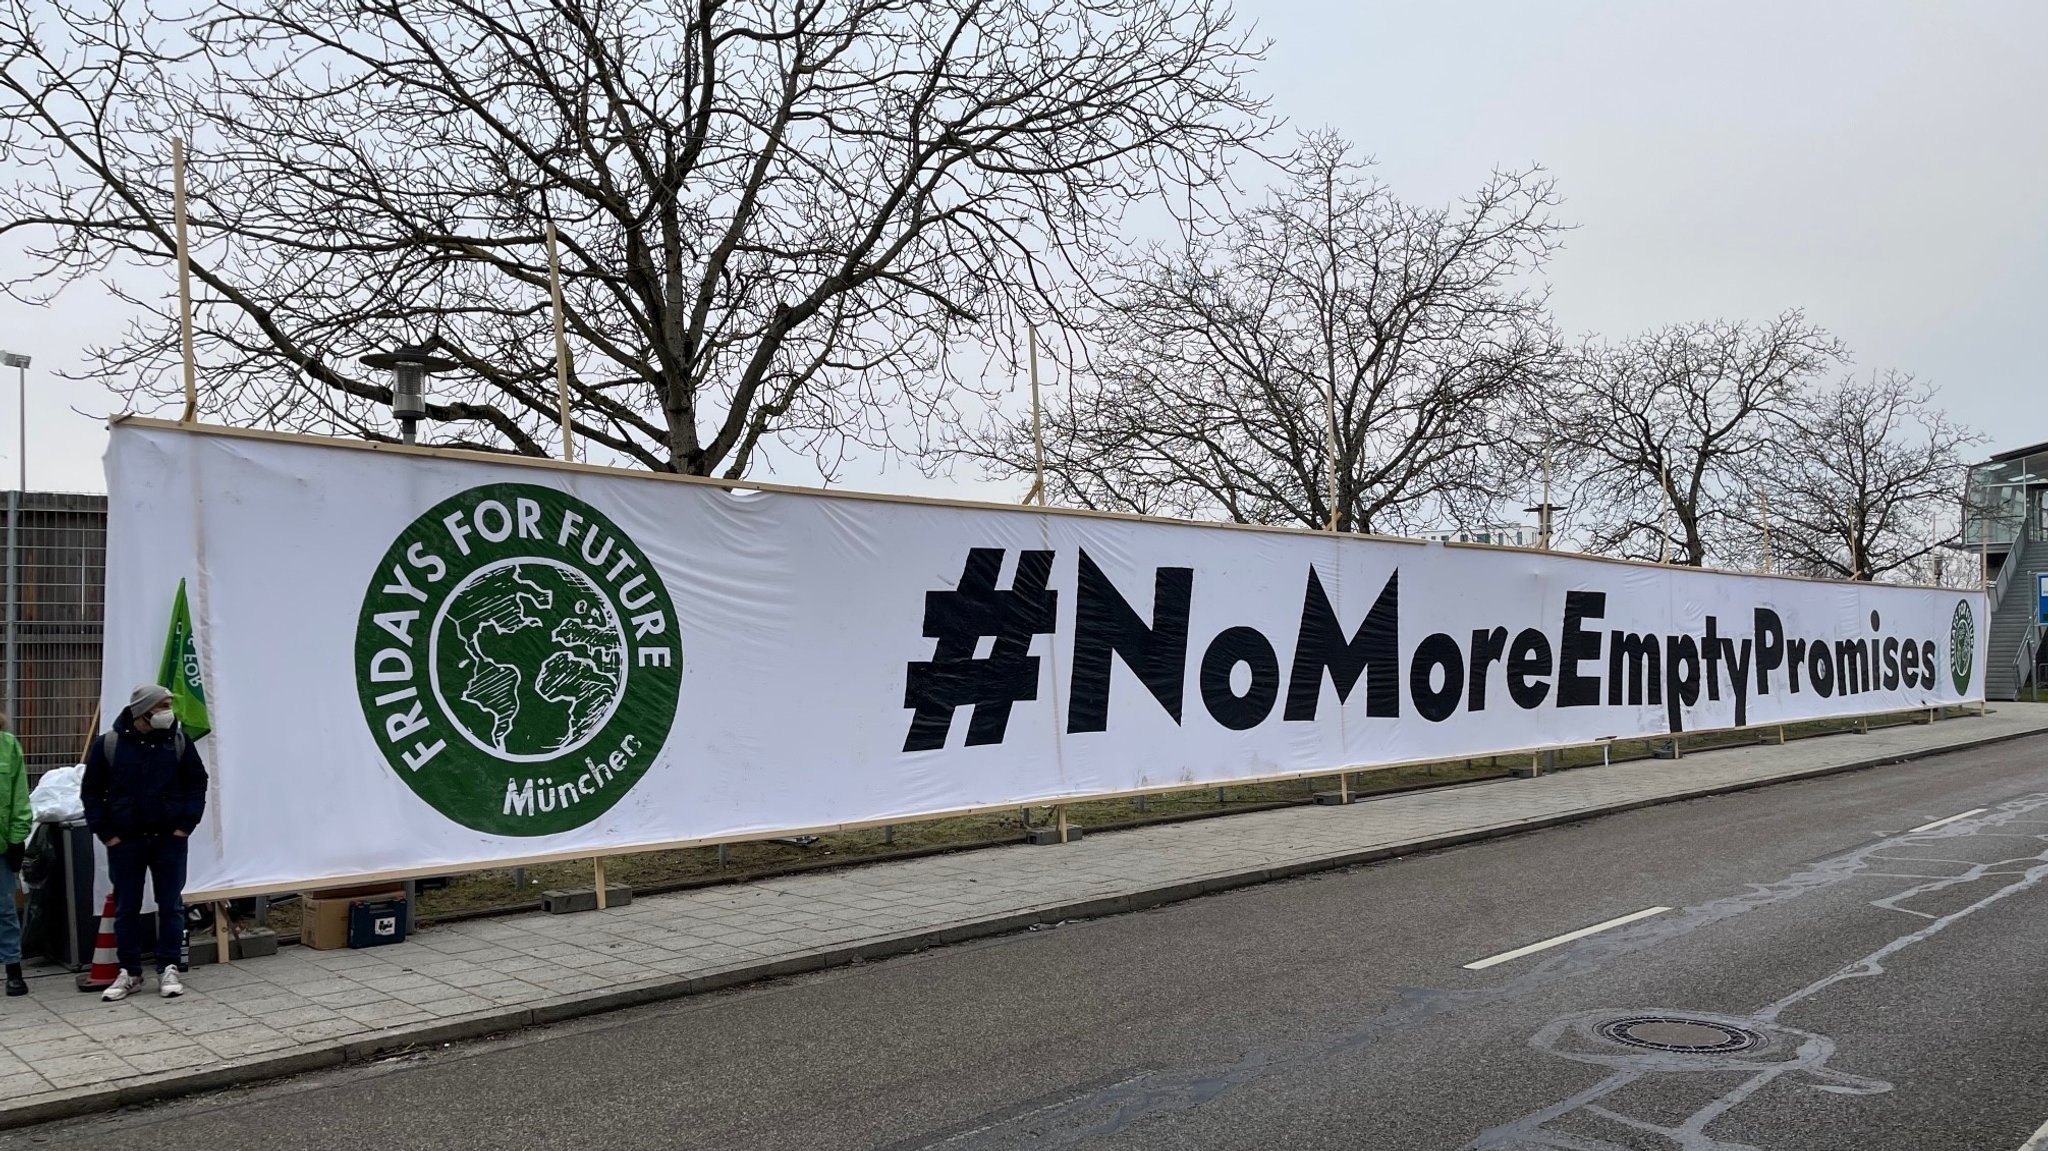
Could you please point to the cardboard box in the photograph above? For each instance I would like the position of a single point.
(323, 915)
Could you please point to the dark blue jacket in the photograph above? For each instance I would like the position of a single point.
(155, 784)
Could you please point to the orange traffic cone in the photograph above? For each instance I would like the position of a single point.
(106, 961)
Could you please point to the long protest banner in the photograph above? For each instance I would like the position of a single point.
(422, 661)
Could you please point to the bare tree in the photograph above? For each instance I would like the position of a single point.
(1665, 431)
(1860, 472)
(776, 213)
(1216, 368)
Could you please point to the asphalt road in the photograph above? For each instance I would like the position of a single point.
(1889, 986)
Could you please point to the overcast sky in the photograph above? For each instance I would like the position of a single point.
(1882, 165)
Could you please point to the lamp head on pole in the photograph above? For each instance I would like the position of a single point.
(410, 365)
(13, 360)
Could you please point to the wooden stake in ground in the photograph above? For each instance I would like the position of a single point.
(223, 943)
(184, 282)
(562, 388)
(597, 867)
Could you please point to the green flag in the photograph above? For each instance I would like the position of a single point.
(180, 671)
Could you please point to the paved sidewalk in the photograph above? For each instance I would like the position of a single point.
(63, 1053)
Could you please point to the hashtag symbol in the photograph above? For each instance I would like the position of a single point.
(959, 619)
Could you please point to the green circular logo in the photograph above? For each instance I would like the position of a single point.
(518, 660)
(1962, 647)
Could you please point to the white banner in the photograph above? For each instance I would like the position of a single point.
(424, 662)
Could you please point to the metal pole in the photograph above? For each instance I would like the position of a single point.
(1983, 552)
(1543, 523)
(13, 605)
(1037, 432)
(1763, 501)
(184, 282)
(22, 377)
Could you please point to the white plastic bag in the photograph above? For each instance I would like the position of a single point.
(57, 798)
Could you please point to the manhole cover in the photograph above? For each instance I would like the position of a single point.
(1674, 1033)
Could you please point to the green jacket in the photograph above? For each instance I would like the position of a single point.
(14, 791)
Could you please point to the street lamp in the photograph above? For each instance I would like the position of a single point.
(19, 362)
(410, 365)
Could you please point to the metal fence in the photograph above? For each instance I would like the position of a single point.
(52, 622)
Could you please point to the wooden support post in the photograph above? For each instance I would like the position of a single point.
(1059, 815)
(1677, 752)
(1037, 432)
(562, 384)
(223, 942)
(1344, 786)
(1535, 764)
(597, 868)
(1781, 734)
(721, 855)
(184, 254)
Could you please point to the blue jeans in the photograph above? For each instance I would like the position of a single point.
(10, 919)
(162, 859)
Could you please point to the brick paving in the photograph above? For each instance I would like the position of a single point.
(63, 1052)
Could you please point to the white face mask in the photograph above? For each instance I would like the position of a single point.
(162, 720)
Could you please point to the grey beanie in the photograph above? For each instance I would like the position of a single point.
(145, 699)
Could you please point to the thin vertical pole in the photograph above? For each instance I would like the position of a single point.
(562, 389)
(1983, 552)
(22, 379)
(1763, 501)
(1664, 528)
(14, 516)
(184, 281)
(597, 866)
(1543, 526)
(1037, 429)
(1330, 426)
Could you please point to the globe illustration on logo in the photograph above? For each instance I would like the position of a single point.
(1962, 647)
(529, 659)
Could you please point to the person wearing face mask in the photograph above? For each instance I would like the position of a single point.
(144, 792)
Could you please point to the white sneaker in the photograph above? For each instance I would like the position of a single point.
(124, 985)
(168, 983)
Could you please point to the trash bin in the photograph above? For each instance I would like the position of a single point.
(58, 867)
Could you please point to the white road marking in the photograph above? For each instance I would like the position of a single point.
(1950, 819)
(1567, 937)
(2038, 1142)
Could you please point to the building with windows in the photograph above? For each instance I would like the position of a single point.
(1510, 535)
(2005, 522)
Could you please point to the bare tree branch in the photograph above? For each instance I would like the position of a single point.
(774, 214)
(1861, 471)
(1215, 364)
(1665, 431)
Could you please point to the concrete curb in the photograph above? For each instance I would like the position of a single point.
(361, 1049)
